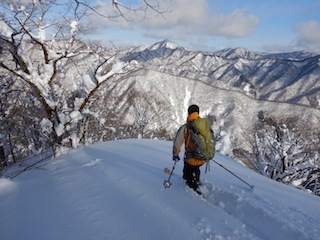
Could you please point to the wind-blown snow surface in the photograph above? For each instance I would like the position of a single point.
(114, 190)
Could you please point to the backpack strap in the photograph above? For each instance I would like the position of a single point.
(192, 128)
(189, 127)
(189, 136)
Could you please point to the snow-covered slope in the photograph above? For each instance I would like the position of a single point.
(236, 113)
(113, 190)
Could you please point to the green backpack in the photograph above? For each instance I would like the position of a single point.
(203, 139)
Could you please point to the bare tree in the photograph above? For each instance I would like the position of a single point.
(145, 111)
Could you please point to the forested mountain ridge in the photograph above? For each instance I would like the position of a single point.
(285, 77)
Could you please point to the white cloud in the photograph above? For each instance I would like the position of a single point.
(232, 25)
(308, 34)
(186, 18)
(182, 13)
(307, 38)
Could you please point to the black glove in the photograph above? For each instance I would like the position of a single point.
(176, 158)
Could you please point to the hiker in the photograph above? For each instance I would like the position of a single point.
(192, 159)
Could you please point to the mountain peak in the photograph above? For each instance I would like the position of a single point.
(164, 44)
(234, 53)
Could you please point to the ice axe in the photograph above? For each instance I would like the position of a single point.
(167, 183)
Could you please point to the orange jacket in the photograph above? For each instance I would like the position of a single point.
(183, 136)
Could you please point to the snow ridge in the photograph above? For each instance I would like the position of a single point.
(259, 211)
(113, 190)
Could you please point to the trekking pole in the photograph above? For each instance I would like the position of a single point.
(167, 183)
(251, 186)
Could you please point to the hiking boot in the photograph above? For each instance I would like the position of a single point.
(198, 191)
(194, 186)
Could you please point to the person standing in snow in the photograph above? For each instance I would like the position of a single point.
(191, 170)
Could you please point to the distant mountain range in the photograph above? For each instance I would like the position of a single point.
(281, 77)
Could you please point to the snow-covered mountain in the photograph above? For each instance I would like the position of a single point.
(114, 190)
(285, 77)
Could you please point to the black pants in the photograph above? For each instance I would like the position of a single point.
(192, 175)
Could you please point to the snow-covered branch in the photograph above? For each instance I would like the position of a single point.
(283, 155)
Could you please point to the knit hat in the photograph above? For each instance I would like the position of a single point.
(193, 108)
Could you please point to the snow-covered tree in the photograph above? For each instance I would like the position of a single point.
(43, 51)
(19, 133)
(281, 152)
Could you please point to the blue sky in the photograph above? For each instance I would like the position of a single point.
(211, 25)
